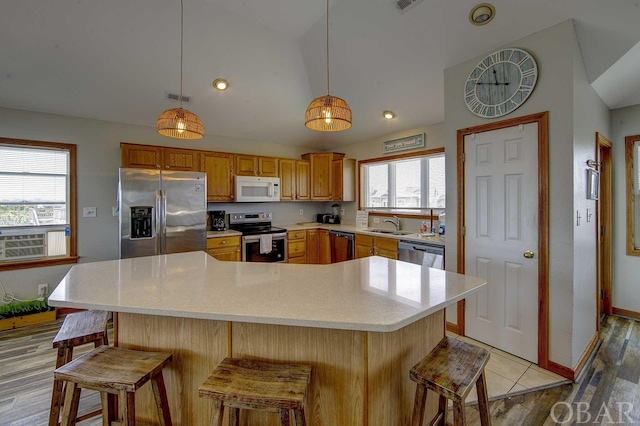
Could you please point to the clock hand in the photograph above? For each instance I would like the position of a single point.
(494, 77)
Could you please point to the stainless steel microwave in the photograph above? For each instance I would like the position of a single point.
(252, 189)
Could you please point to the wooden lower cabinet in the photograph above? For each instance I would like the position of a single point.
(224, 248)
(297, 246)
(318, 247)
(376, 246)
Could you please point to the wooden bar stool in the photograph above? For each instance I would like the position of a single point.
(451, 369)
(119, 372)
(77, 329)
(255, 385)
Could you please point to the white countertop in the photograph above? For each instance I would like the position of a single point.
(435, 240)
(370, 294)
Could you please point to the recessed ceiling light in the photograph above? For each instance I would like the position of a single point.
(220, 84)
(389, 115)
(482, 14)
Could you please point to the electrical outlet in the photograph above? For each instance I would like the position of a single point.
(376, 220)
(301, 212)
(43, 290)
(89, 212)
(341, 212)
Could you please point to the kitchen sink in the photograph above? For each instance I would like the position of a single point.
(389, 231)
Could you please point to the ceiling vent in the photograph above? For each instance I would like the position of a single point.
(176, 97)
(404, 5)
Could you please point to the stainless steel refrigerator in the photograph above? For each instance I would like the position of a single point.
(161, 212)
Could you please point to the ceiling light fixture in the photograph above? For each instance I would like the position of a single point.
(482, 14)
(220, 84)
(328, 113)
(178, 123)
(389, 115)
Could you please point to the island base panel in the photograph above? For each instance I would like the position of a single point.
(198, 346)
(359, 378)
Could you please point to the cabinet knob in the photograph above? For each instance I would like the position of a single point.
(166, 167)
(297, 248)
(224, 241)
(377, 253)
(232, 196)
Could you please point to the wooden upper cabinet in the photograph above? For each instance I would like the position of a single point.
(181, 159)
(303, 180)
(323, 174)
(219, 168)
(157, 157)
(344, 176)
(294, 180)
(251, 165)
(140, 156)
(287, 179)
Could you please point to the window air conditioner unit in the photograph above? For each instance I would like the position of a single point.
(26, 245)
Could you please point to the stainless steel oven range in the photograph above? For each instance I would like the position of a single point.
(261, 242)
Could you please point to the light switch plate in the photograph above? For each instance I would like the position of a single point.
(89, 212)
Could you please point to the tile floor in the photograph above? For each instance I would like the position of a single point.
(507, 374)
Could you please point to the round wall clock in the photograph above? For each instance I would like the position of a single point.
(500, 83)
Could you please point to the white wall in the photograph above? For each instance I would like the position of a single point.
(553, 51)
(590, 115)
(98, 152)
(626, 269)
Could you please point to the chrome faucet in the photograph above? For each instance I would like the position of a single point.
(395, 222)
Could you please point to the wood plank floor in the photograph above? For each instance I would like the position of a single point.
(27, 361)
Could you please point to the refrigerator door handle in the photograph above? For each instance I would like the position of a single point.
(158, 222)
(163, 228)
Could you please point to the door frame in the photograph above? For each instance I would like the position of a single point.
(542, 120)
(604, 218)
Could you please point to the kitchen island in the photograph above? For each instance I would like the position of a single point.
(362, 324)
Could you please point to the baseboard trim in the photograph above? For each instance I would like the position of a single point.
(561, 370)
(626, 313)
(452, 328)
(588, 351)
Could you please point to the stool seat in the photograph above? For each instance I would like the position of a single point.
(115, 371)
(82, 327)
(257, 385)
(451, 369)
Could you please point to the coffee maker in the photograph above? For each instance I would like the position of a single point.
(218, 220)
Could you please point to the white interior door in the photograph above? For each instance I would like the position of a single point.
(501, 224)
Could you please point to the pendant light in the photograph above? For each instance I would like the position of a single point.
(178, 123)
(328, 113)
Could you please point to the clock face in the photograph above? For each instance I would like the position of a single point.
(500, 83)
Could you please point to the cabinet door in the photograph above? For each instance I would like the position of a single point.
(321, 172)
(363, 251)
(228, 255)
(298, 249)
(336, 170)
(246, 165)
(303, 181)
(268, 166)
(312, 246)
(140, 156)
(287, 180)
(219, 168)
(324, 247)
(181, 159)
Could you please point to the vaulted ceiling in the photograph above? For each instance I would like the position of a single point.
(115, 60)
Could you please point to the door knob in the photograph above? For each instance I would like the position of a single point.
(528, 254)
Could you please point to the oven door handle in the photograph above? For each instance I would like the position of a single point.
(252, 238)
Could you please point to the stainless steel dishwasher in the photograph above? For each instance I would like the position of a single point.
(420, 253)
(342, 246)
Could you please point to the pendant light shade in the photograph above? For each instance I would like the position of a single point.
(328, 113)
(178, 123)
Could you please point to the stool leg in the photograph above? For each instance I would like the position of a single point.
(300, 419)
(57, 395)
(284, 417)
(104, 402)
(160, 394)
(483, 400)
(234, 416)
(127, 402)
(72, 398)
(418, 405)
(458, 414)
(217, 413)
(442, 411)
